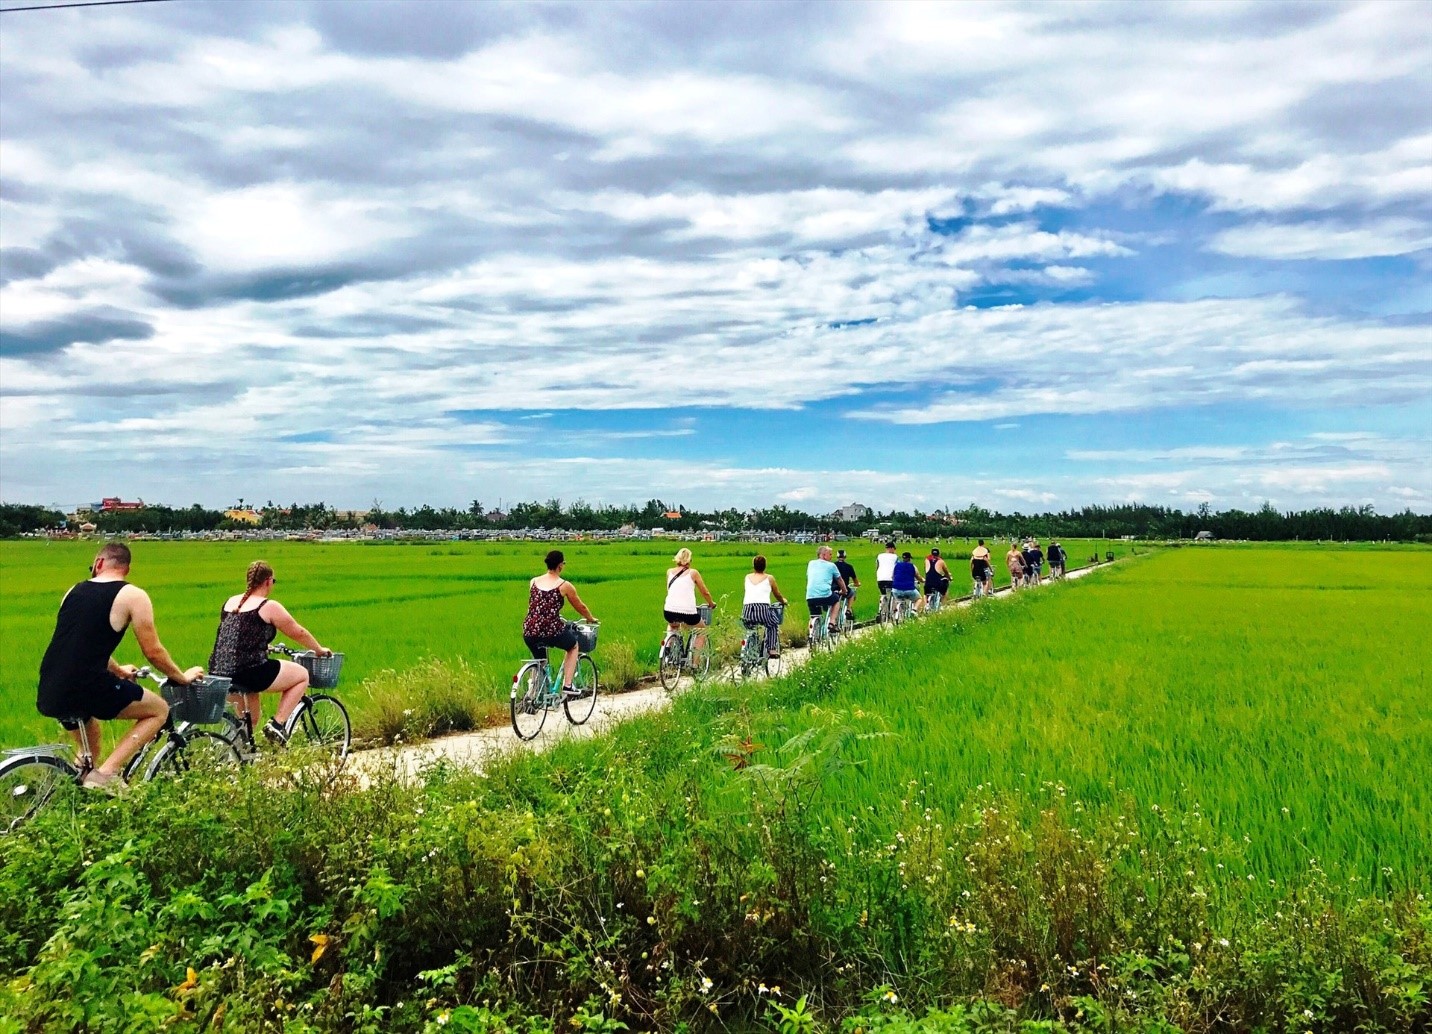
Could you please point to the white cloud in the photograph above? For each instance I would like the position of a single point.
(1325, 240)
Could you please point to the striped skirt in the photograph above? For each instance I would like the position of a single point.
(764, 614)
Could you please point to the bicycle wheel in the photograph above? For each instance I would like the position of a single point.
(27, 782)
(753, 648)
(321, 721)
(528, 710)
(669, 666)
(191, 751)
(136, 765)
(584, 681)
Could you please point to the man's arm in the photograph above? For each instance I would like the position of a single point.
(141, 618)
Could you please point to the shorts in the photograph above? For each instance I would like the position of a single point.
(942, 587)
(821, 603)
(673, 618)
(256, 677)
(104, 697)
(905, 594)
(884, 587)
(978, 571)
(540, 644)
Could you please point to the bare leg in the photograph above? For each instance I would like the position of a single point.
(292, 682)
(87, 741)
(569, 666)
(148, 714)
(254, 705)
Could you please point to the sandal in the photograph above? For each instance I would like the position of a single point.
(103, 782)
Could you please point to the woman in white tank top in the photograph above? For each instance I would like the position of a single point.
(682, 583)
(756, 608)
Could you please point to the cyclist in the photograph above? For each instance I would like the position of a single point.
(885, 568)
(1026, 555)
(1033, 559)
(937, 574)
(824, 585)
(682, 582)
(543, 628)
(756, 608)
(79, 677)
(904, 582)
(852, 582)
(1014, 560)
(241, 651)
(1056, 559)
(980, 570)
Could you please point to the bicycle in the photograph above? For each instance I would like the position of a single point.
(902, 610)
(932, 601)
(844, 623)
(692, 652)
(818, 634)
(179, 747)
(886, 614)
(320, 721)
(754, 657)
(537, 689)
(30, 776)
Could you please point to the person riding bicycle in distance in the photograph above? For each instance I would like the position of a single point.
(248, 622)
(682, 583)
(937, 574)
(980, 570)
(756, 607)
(904, 581)
(79, 677)
(543, 628)
(885, 568)
(852, 582)
(824, 585)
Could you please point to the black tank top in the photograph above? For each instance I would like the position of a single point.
(79, 651)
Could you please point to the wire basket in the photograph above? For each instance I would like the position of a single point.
(704, 613)
(586, 634)
(779, 610)
(201, 702)
(323, 672)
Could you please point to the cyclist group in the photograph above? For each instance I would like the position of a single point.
(82, 684)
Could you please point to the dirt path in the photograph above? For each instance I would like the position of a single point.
(474, 749)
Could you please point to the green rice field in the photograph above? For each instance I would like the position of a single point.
(390, 606)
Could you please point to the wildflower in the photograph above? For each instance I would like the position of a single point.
(651, 920)
(706, 985)
(891, 997)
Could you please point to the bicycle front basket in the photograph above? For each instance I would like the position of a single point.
(199, 703)
(586, 635)
(323, 672)
(779, 610)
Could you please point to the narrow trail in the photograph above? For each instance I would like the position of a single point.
(474, 749)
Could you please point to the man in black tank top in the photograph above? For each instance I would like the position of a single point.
(79, 677)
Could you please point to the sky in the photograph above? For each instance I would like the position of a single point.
(1028, 256)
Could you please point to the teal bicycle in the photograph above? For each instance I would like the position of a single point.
(537, 689)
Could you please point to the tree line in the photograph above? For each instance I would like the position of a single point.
(1267, 523)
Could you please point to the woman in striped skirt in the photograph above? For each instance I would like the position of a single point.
(756, 609)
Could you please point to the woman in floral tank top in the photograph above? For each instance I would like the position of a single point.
(544, 629)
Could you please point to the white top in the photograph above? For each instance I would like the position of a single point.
(885, 566)
(681, 594)
(757, 591)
